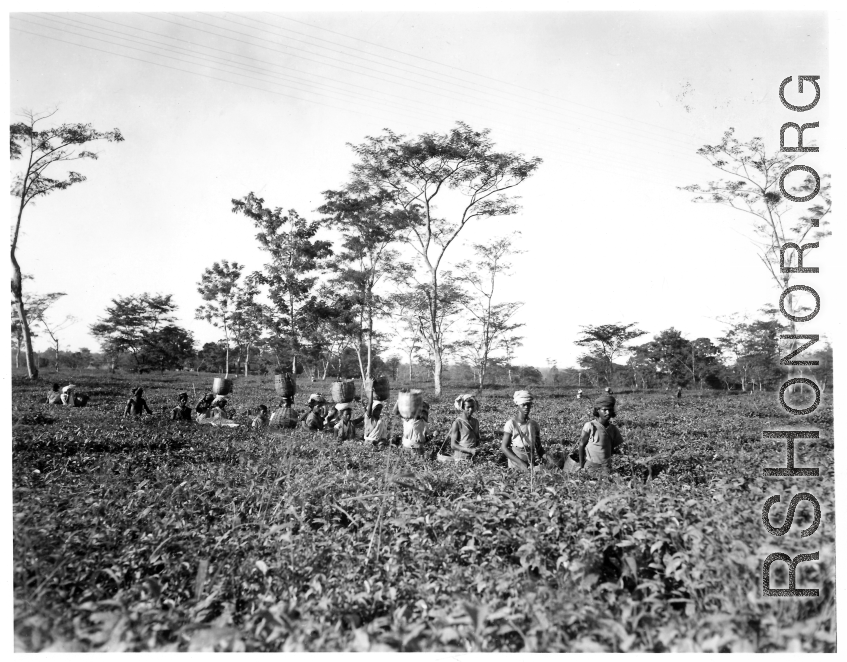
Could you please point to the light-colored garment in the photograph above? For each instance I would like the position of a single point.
(524, 437)
(68, 395)
(414, 433)
(601, 442)
(378, 432)
(217, 421)
(466, 433)
(260, 422)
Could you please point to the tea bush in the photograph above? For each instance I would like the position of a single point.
(147, 535)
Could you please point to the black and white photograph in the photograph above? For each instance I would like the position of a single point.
(443, 329)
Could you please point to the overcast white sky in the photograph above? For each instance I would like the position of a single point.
(615, 103)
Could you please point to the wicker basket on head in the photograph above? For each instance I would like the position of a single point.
(380, 387)
(221, 386)
(285, 385)
(409, 403)
(343, 391)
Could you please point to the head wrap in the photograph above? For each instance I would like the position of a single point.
(605, 401)
(341, 406)
(460, 401)
(523, 397)
(608, 390)
(219, 401)
(182, 395)
(317, 397)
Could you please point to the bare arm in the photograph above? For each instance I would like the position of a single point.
(583, 440)
(506, 449)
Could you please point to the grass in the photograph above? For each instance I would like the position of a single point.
(146, 535)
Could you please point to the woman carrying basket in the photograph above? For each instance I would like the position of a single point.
(521, 442)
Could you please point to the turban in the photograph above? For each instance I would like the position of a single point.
(605, 401)
(341, 406)
(523, 397)
(317, 397)
(460, 401)
(219, 401)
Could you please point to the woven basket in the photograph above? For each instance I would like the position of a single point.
(409, 403)
(222, 386)
(343, 391)
(285, 385)
(380, 387)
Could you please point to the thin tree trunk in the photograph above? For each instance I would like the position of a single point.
(437, 370)
(57, 355)
(17, 291)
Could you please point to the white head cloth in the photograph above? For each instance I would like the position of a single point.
(523, 397)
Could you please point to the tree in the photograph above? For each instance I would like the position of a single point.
(510, 344)
(17, 328)
(606, 342)
(369, 226)
(129, 323)
(169, 348)
(296, 256)
(211, 357)
(248, 319)
(463, 165)
(641, 366)
(38, 313)
(530, 375)
(219, 287)
(493, 321)
(393, 364)
(753, 187)
(40, 150)
(754, 348)
(416, 302)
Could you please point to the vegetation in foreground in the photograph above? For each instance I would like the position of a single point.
(144, 535)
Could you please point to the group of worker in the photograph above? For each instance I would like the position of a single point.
(520, 444)
(67, 396)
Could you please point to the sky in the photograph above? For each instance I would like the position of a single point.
(216, 105)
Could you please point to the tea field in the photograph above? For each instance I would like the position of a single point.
(147, 535)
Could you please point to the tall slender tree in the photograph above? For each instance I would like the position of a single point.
(369, 226)
(40, 149)
(750, 184)
(219, 286)
(459, 167)
(292, 274)
(39, 311)
(492, 321)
